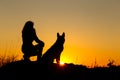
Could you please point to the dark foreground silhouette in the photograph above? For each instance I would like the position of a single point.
(28, 37)
(54, 51)
(29, 49)
(21, 70)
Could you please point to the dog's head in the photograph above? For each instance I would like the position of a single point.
(61, 38)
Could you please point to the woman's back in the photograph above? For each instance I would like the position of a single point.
(28, 37)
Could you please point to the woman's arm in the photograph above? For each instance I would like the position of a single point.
(37, 39)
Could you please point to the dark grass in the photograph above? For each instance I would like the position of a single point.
(20, 70)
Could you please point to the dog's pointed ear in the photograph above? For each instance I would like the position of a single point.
(58, 34)
(63, 34)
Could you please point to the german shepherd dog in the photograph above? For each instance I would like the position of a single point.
(54, 51)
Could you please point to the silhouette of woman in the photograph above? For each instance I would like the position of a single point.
(28, 36)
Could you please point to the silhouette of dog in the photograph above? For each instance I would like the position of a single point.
(54, 51)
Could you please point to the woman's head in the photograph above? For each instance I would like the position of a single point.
(28, 26)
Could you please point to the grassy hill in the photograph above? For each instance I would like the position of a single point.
(34, 70)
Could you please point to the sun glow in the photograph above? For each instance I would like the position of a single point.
(62, 63)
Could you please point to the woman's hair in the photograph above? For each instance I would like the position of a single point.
(28, 26)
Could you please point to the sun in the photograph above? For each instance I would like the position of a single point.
(62, 63)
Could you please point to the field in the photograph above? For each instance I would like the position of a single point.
(34, 70)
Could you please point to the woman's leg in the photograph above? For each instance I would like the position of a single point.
(26, 57)
(39, 50)
(28, 51)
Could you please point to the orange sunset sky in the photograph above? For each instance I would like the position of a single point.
(92, 27)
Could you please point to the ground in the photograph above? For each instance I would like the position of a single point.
(37, 71)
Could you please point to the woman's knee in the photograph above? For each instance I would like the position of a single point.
(39, 46)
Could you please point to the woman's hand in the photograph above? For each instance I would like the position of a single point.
(42, 43)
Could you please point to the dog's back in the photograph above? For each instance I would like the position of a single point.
(54, 51)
